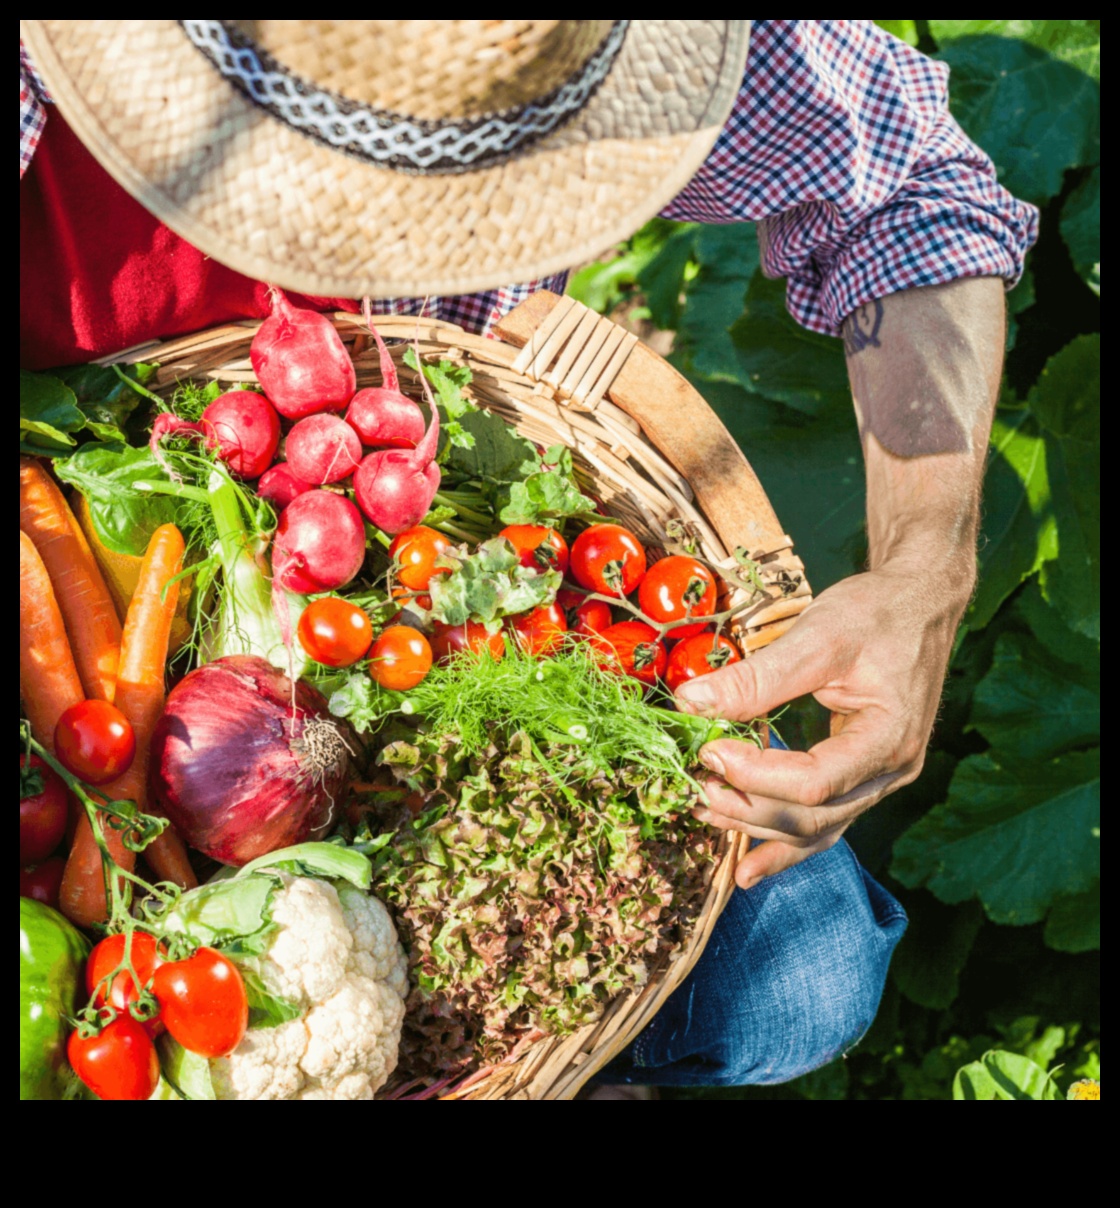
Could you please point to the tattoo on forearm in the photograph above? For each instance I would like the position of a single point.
(861, 328)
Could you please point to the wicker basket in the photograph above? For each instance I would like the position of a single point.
(649, 447)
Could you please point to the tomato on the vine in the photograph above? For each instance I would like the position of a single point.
(584, 616)
(94, 740)
(400, 658)
(42, 811)
(473, 637)
(334, 632)
(108, 955)
(414, 553)
(203, 1002)
(120, 1062)
(539, 546)
(698, 655)
(632, 648)
(609, 559)
(43, 881)
(677, 587)
(541, 630)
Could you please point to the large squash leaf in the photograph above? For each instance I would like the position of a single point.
(1081, 229)
(1075, 42)
(1016, 834)
(1034, 115)
(1032, 706)
(1067, 401)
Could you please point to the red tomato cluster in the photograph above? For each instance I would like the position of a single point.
(201, 1002)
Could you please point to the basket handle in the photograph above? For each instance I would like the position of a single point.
(683, 427)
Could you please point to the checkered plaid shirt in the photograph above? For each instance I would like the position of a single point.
(840, 146)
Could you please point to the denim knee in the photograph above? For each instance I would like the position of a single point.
(791, 978)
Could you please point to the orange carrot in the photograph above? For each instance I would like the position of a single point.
(140, 686)
(87, 607)
(140, 697)
(48, 679)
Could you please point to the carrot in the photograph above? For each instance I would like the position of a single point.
(48, 679)
(140, 697)
(140, 686)
(87, 607)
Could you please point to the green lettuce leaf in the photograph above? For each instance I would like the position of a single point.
(186, 1074)
(48, 414)
(489, 584)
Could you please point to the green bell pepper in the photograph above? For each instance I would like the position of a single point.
(52, 955)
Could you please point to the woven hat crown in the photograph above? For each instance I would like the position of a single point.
(430, 69)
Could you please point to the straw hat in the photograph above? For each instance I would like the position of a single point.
(391, 158)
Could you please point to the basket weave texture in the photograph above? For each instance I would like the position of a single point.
(562, 374)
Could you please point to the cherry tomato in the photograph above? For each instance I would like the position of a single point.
(203, 1002)
(609, 559)
(334, 632)
(449, 640)
(120, 1062)
(107, 956)
(414, 553)
(400, 658)
(541, 630)
(584, 616)
(43, 881)
(94, 740)
(539, 546)
(678, 587)
(700, 654)
(632, 648)
(42, 813)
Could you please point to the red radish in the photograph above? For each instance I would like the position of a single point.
(246, 429)
(395, 487)
(280, 486)
(244, 762)
(301, 362)
(167, 424)
(323, 448)
(320, 543)
(382, 416)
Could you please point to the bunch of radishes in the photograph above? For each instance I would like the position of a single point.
(308, 378)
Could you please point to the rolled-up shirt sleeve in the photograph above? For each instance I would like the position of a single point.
(841, 146)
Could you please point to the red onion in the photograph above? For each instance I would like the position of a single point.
(241, 770)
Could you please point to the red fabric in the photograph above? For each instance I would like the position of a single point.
(98, 273)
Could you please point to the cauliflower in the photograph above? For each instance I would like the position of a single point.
(336, 955)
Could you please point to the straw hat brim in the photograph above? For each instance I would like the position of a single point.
(277, 206)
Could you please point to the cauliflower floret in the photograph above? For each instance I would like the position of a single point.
(377, 951)
(336, 953)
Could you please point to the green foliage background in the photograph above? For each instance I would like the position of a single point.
(995, 851)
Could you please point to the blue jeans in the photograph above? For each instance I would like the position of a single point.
(790, 979)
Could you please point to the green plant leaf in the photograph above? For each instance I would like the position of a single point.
(1075, 42)
(498, 454)
(928, 962)
(606, 283)
(1016, 834)
(1050, 627)
(1081, 229)
(1032, 706)
(106, 400)
(48, 410)
(1004, 1076)
(906, 30)
(1074, 922)
(1034, 115)
(1067, 401)
(781, 360)
(726, 257)
(1017, 530)
(1018, 300)
(124, 519)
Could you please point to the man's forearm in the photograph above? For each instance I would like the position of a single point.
(925, 366)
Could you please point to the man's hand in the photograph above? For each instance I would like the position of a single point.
(873, 650)
(925, 367)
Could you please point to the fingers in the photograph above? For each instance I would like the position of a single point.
(769, 858)
(805, 659)
(867, 747)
